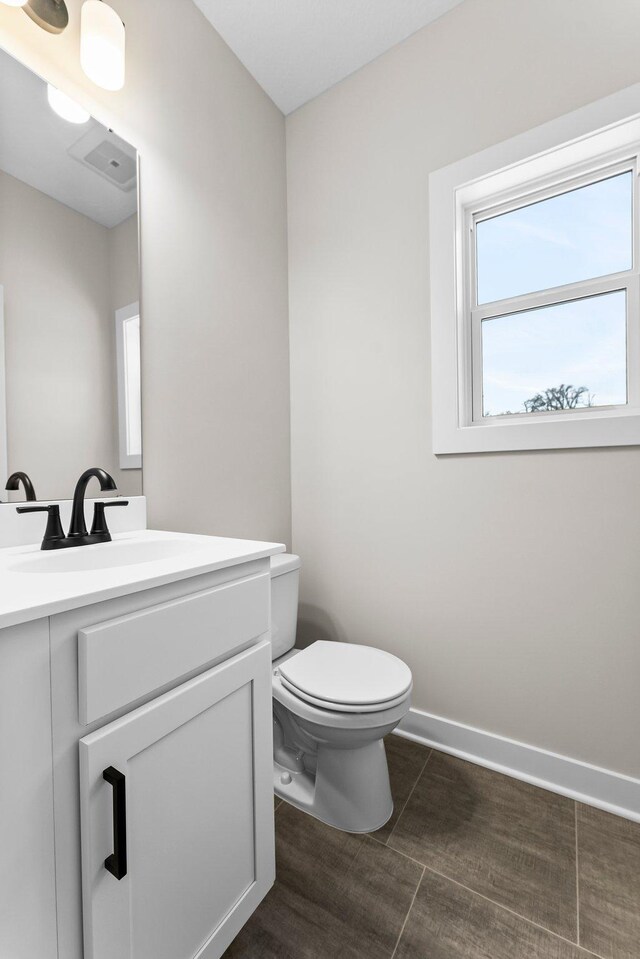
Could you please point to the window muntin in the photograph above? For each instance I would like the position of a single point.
(578, 234)
(569, 355)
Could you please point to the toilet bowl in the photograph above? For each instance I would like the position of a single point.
(333, 703)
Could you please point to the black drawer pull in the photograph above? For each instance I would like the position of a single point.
(116, 863)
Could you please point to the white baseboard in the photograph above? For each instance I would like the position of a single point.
(588, 784)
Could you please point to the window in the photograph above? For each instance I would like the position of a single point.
(535, 306)
(128, 374)
(550, 292)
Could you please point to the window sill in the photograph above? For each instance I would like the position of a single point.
(612, 427)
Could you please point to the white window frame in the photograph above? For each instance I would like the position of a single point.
(128, 461)
(595, 142)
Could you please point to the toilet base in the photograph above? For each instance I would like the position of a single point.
(349, 790)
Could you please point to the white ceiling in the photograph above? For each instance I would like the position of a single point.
(35, 144)
(296, 49)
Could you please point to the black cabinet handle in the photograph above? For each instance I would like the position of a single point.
(116, 863)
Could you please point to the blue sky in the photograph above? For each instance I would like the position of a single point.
(572, 237)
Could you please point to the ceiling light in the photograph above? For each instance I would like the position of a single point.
(65, 107)
(102, 45)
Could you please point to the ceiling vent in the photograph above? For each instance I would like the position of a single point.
(106, 154)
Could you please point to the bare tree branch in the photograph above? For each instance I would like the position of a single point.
(563, 397)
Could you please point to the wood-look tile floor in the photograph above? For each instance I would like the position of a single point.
(472, 865)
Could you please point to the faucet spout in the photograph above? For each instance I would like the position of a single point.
(78, 526)
(14, 481)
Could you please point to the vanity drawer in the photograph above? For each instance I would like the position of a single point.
(124, 659)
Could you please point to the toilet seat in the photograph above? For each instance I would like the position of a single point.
(345, 677)
(343, 707)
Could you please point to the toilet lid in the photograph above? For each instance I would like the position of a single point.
(347, 676)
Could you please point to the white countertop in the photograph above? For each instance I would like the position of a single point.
(27, 595)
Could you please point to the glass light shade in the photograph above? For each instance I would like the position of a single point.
(65, 107)
(14, 3)
(102, 41)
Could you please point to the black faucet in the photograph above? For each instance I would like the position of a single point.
(13, 483)
(77, 526)
(54, 537)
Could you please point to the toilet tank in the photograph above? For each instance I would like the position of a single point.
(285, 575)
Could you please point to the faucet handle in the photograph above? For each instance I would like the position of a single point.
(99, 525)
(54, 533)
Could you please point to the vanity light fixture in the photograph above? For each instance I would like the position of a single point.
(51, 15)
(102, 42)
(102, 36)
(65, 107)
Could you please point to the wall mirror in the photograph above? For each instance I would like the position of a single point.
(69, 292)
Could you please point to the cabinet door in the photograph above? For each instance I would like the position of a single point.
(176, 798)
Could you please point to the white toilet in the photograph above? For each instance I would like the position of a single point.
(332, 705)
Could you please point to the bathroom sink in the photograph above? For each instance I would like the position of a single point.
(106, 556)
(39, 583)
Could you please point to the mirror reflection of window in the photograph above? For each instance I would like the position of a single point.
(128, 377)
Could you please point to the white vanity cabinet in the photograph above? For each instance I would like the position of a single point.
(168, 690)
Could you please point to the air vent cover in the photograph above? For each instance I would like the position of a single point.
(108, 155)
(112, 163)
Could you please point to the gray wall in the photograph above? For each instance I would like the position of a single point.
(123, 263)
(214, 262)
(60, 286)
(508, 582)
